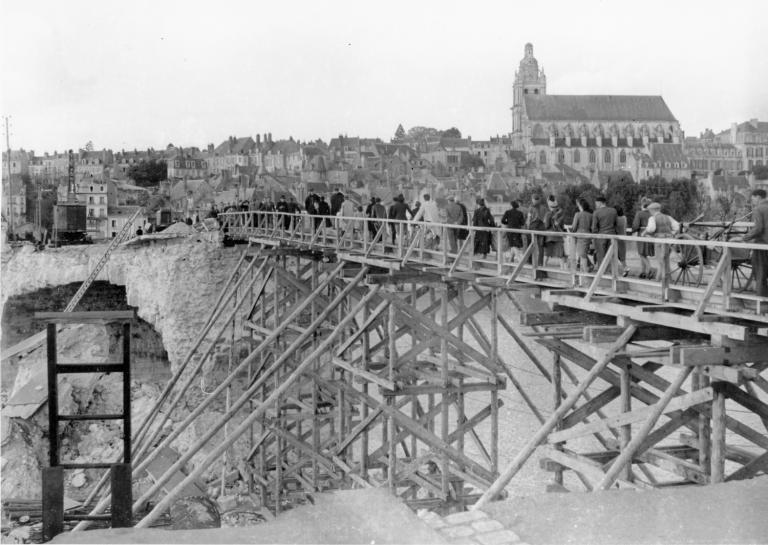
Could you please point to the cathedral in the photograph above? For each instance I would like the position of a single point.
(589, 133)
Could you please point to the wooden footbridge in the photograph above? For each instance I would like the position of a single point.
(363, 352)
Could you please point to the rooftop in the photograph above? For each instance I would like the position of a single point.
(597, 108)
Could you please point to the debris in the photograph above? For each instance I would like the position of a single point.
(195, 512)
(227, 503)
(21, 534)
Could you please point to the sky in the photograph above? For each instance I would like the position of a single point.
(141, 74)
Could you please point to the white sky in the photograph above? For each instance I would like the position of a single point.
(146, 73)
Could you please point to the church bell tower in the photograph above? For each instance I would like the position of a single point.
(529, 80)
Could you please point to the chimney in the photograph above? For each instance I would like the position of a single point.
(269, 134)
(753, 122)
(734, 130)
(258, 140)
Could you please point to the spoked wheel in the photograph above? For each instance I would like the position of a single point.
(741, 274)
(741, 267)
(686, 264)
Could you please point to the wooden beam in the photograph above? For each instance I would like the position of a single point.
(676, 404)
(86, 317)
(552, 421)
(718, 355)
(644, 314)
(608, 333)
(628, 453)
(751, 469)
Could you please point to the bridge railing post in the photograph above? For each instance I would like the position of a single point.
(499, 253)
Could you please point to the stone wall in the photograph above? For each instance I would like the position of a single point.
(173, 284)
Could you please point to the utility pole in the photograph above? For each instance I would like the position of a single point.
(10, 181)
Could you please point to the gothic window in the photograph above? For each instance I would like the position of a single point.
(576, 156)
(525, 91)
(592, 156)
(607, 157)
(535, 91)
(543, 158)
(561, 157)
(622, 157)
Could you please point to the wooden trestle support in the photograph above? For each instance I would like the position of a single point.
(359, 376)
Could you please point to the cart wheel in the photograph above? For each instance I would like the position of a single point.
(687, 265)
(741, 274)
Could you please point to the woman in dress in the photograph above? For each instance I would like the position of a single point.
(621, 229)
(553, 221)
(644, 249)
(582, 223)
(482, 218)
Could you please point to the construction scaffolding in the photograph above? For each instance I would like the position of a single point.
(360, 362)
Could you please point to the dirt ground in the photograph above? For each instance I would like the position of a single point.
(349, 516)
(729, 513)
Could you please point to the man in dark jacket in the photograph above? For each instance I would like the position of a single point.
(324, 210)
(758, 234)
(604, 222)
(453, 215)
(336, 200)
(282, 207)
(398, 211)
(369, 214)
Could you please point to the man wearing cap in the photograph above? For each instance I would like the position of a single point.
(759, 234)
(454, 216)
(661, 225)
(604, 222)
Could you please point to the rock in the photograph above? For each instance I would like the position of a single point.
(194, 513)
(227, 503)
(78, 481)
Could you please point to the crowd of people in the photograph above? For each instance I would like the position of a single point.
(541, 214)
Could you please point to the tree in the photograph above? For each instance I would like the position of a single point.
(89, 146)
(453, 132)
(760, 172)
(417, 133)
(573, 192)
(625, 193)
(471, 162)
(399, 132)
(148, 173)
(679, 198)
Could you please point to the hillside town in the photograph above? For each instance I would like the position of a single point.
(556, 141)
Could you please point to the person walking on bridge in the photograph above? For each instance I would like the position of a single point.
(398, 210)
(661, 225)
(644, 249)
(482, 218)
(430, 214)
(514, 219)
(453, 216)
(582, 223)
(759, 235)
(604, 222)
(535, 222)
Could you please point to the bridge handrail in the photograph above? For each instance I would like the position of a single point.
(224, 216)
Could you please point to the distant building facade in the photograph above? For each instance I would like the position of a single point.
(751, 139)
(586, 132)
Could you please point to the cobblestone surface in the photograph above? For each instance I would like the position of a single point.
(471, 528)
